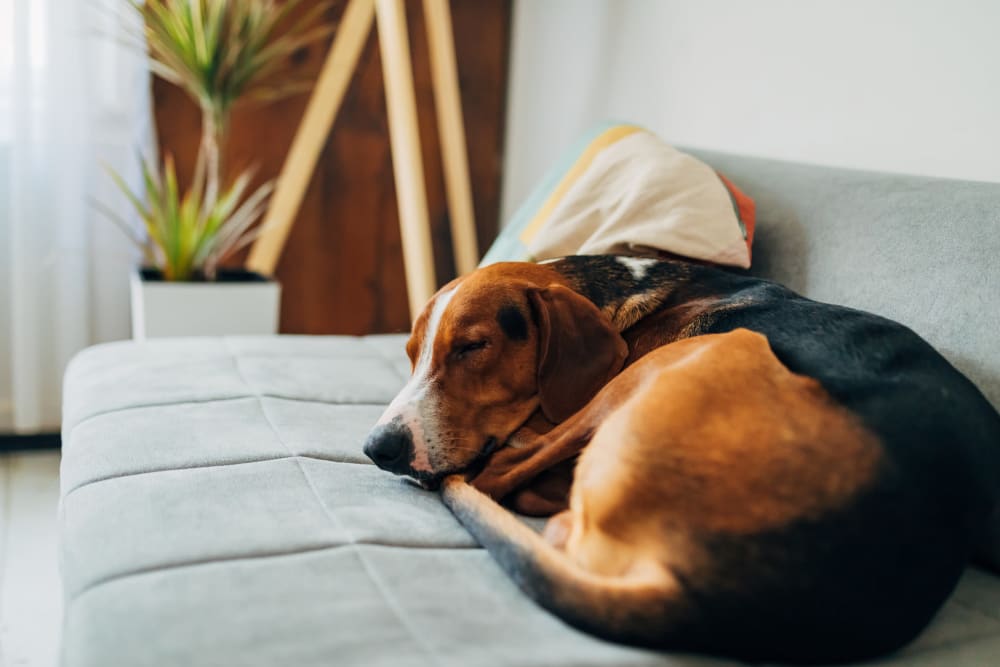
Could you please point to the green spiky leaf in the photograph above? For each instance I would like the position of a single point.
(221, 50)
(188, 234)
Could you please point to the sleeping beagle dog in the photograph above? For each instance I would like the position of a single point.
(762, 476)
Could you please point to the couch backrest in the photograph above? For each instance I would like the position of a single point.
(921, 251)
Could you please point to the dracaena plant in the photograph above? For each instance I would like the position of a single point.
(219, 52)
(187, 235)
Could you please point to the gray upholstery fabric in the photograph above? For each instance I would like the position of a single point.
(217, 509)
(921, 251)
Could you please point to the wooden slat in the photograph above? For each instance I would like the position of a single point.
(311, 135)
(451, 131)
(342, 267)
(407, 164)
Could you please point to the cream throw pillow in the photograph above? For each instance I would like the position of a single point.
(622, 190)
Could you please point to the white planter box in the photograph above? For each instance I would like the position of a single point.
(161, 309)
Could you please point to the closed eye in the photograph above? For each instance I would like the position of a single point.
(465, 349)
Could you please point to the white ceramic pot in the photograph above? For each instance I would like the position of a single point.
(239, 303)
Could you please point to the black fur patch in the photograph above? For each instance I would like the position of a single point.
(605, 280)
(513, 323)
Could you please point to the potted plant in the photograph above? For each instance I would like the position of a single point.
(219, 52)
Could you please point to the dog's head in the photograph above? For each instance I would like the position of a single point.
(486, 352)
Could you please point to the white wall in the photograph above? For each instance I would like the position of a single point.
(895, 85)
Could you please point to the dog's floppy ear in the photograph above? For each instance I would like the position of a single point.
(578, 350)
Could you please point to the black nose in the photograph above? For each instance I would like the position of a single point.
(390, 446)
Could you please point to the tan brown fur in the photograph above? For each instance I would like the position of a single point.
(704, 438)
(718, 437)
(695, 429)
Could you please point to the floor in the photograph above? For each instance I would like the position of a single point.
(30, 602)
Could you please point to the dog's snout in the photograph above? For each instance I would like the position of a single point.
(390, 447)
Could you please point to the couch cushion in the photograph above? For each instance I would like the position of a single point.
(217, 510)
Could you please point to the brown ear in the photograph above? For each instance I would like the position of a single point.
(578, 350)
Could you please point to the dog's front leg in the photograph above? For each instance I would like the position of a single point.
(525, 459)
(511, 465)
(546, 494)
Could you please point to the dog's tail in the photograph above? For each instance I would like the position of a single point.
(625, 609)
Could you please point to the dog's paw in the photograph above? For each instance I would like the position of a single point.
(452, 482)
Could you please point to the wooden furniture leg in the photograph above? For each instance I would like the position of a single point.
(407, 162)
(297, 171)
(451, 130)
(404, 140)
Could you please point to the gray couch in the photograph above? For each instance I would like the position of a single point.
(217, 509)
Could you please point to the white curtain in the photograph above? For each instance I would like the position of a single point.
(74, 97)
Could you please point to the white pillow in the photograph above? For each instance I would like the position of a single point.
(622, 190)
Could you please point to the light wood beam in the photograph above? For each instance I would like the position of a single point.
(297, 171)
(407, 162)
(451, 130)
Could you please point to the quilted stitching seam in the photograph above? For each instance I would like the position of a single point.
(220, 464)
(217, 399)
(391, 602)
(261, 555)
